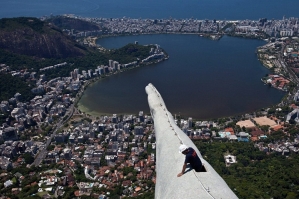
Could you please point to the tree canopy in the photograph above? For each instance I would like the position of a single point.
(10, 85)
(256, 174)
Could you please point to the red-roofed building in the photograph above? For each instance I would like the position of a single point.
(77, 193)
(277, 127)
(256, 133)
(138, 189)
(230, 129)
(127, 183)
(293, 106)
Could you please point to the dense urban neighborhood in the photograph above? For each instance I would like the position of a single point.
(262, 28)
(50, 149)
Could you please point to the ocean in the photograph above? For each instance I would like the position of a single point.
(200, 9)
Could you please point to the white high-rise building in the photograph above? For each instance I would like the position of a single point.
(89, 73)
(75, 74)
(190, 122)
(111, 63)
(115, 65)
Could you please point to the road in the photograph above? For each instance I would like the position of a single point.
(292, 75)
(43, 152)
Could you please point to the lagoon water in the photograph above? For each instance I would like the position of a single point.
(202, 79)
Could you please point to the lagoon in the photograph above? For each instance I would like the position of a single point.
(202, 79)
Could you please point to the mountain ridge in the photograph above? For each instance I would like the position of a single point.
(33, 37)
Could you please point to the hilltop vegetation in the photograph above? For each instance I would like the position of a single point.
(125, 54)
(11, 85)
(256, 174)
(129, 53)
(29, 43)
(12, 24)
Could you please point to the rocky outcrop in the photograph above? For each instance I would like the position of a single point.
(32, 37)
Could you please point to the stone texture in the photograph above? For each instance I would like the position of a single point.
(169, 161)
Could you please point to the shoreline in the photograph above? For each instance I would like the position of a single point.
(94, 113)
(89, 82)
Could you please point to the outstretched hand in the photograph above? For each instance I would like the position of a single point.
(180, 174)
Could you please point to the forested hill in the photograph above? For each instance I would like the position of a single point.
(72, 23)
(29, 44)
(33, 37)
(10, 85)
